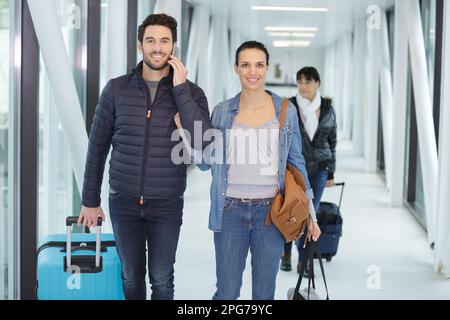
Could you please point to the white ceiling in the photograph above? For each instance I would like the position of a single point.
(332, 24)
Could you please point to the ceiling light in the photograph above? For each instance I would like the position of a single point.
(279, 34)
(293, 35)
(303, 34)
(291, 43)
(302, 9)
(292, 29)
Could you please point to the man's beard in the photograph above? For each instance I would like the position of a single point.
(152, 66)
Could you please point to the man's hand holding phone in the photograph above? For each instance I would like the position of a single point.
(180, 71)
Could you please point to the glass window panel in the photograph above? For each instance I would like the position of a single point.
(419, 204)
(145, 8)
(429, 26)
(5, 121)
(428, 8)
(186, 15)
(58, 193)
(103, 42)
(391, 27)
(413, 189)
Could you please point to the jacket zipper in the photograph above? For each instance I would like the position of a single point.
(144, 155)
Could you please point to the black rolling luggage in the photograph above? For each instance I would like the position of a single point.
(330, 222)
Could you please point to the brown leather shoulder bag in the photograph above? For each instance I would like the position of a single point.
(290, 212)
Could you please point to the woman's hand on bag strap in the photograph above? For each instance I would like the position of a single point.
(313, 230)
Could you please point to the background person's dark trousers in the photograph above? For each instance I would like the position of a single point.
(286, 264)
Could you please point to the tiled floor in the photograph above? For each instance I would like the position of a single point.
(383, 253)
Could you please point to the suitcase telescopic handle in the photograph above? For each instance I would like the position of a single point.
(73, 220)
(340, 184)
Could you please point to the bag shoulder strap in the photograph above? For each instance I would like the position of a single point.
(283, 119)
(283, 113)
(310, 249)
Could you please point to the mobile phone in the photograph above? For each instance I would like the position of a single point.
(176, 51)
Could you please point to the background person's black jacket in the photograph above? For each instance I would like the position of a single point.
(321, 152)
(141, 162)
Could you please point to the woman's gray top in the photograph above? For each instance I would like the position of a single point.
(252, 159)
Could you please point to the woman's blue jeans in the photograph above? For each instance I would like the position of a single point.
(244, 229)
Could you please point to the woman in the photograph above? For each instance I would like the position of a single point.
(318, 129)
(242, 190)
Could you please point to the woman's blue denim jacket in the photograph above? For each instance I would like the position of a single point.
(290, 150)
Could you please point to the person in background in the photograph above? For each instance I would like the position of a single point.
(318, 127)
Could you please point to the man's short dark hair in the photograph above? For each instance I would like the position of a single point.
(160, 19)
(252, 45)
(309, 73)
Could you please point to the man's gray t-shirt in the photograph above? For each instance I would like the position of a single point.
(152, 87)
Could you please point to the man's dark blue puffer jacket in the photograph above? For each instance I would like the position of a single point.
(140, 134)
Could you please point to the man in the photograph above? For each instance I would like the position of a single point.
(135, 115)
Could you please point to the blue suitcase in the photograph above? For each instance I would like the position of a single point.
(330, 221)
(79, 266)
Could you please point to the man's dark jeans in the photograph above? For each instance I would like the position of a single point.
(157, 223)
